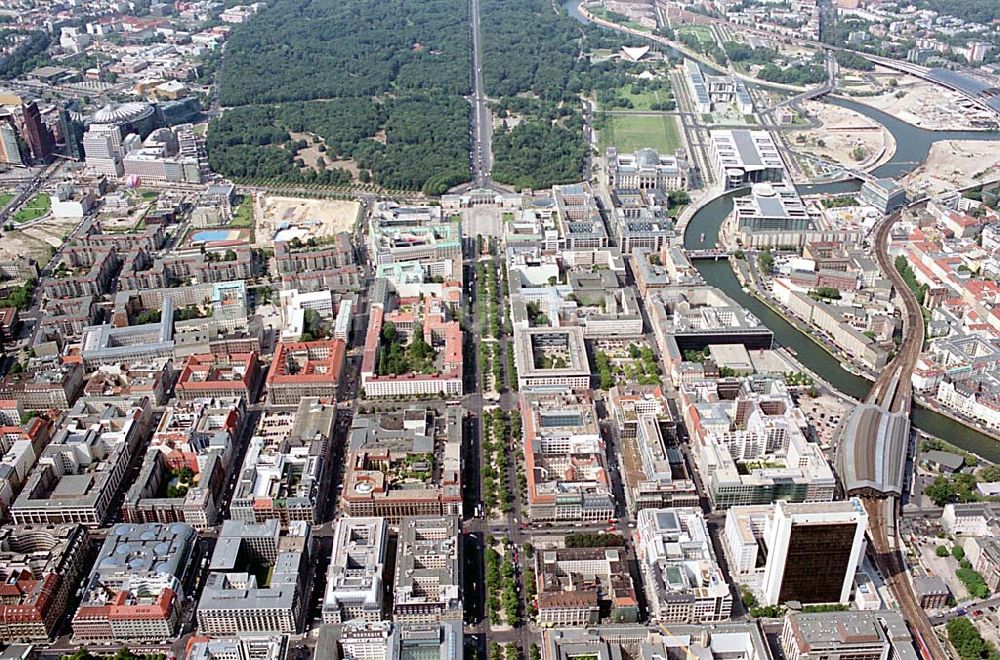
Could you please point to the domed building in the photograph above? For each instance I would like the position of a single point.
(137, 117)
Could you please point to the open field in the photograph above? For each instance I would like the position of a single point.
(317, 217)
(844, 136)
(926, 105)
(5, 199)
(955, 164)
(243, 215)
(37, 241)
(643, 100)
(629, 133)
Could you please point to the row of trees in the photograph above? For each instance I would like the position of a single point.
(598, 540)
(496, 491)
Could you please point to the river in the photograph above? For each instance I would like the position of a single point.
(703, 229)
(912, 147)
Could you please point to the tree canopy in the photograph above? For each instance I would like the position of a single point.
(299, 50)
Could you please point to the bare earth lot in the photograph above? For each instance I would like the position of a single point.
(924, 104)
(842, 131)
(955, 164)
(37, 241)
(322, 217)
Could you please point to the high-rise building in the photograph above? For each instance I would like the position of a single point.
(813, 551)
(101, 145)
(36, 133)
(10, 150)
(72, 134)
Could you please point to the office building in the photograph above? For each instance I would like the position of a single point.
(884, 194)
(684, 583)
(725, 641)
(646, 169)
(185, 470)
(244, 647)
(137, 586)
(547, 357)
(39, 137)
(354, 581)
(305, 369)
(807, 553)
(391, 641)
(54, 386)
(10, 150)
(750, 444)
(256, 579)
(576, 584)
(285, 464)
(441, 333)
(405, 463)
(742, 157)
(654, 473)
(109, 345)
(565, 465)
(427, 587)
(80, 472)
(208, 376)
(877, 635)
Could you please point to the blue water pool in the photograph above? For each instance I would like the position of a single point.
(208, 235)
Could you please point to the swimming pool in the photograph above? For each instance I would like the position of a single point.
(211, 235)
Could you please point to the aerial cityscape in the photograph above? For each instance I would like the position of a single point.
(500, 330)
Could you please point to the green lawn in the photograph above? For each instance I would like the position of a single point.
(243, 217)
(5, 199)
(643, 100)
(629, 133)
(703, 33)
(34, 209)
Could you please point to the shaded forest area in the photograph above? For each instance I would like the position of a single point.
(381, 83)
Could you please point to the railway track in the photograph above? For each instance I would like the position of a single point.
(893, 391)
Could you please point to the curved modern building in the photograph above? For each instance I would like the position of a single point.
(872, 456)
(137, 117)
